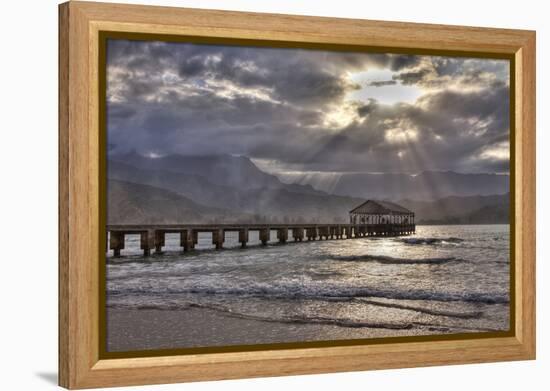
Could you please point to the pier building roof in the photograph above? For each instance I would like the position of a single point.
(380, 208)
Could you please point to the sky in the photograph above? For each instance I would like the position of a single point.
(296, 111)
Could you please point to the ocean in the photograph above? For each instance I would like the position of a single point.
(443, 280)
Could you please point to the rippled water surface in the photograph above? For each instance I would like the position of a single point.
(444, 278)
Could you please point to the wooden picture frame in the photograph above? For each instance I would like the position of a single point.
(80, 243)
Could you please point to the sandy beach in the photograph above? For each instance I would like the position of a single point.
(142, 329)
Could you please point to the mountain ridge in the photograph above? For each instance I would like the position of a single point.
(265, 198)
(461, 210)
(426, 185)
(133, 203)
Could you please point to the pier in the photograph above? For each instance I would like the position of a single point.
(152, 236)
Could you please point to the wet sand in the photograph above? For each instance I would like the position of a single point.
(142, 329)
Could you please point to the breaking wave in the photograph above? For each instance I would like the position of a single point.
(432, 241)
(320, 292)
(292, 319)
(397, 261)
(429, 311)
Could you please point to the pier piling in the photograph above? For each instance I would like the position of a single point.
(153, 236)
(116, 242)
(265, 235)
(187, 240)
(159, 241)
(147, 241)
(243, 237)
(311, 233)
(218, 238)
(282, 235)
(298, 234)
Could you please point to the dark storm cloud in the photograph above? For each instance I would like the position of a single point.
(364, 109)
(382, 83)
(412, 77)
(442, 72)
(398, 62)
(292, 107)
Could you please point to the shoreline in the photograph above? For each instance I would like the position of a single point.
(146, 329)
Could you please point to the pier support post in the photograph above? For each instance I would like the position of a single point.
(243, 237)
(282, 235)
(311, 233)
(187, 240)
(218, 238)
(321, 232)
(298, 234)
(265, 234)
(116, 242)
(147, 241)
(159, 241)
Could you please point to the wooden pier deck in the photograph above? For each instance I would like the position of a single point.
(152, 236)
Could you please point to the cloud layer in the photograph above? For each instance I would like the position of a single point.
(297, 110)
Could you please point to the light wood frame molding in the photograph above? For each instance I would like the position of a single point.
(80, 23)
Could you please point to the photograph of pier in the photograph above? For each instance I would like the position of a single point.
(260, 195)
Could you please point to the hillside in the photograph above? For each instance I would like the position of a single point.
(426, 186)
(462, 210)
(223, 170)
(276, 202)
(228, 188)
(131, 203)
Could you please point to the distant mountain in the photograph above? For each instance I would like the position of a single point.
(491, 214)
(222, 170)
(273, 202)
(428, 185)
(223, 188)
(281, 205)
(131, 203)
(462, 210)
(192, 186)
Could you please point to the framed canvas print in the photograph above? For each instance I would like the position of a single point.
(248, 195)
